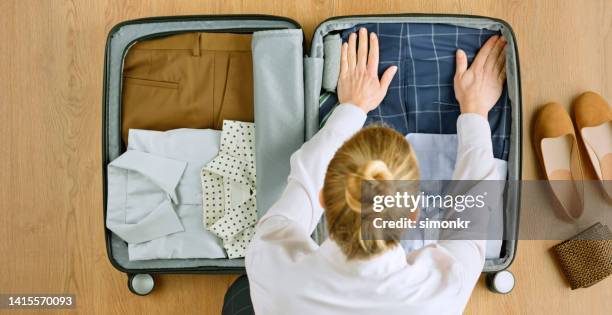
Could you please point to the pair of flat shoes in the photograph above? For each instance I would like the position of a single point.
(556, 146)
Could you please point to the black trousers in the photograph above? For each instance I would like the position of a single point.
(237, 299)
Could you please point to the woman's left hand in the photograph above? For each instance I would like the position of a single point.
(358, 83)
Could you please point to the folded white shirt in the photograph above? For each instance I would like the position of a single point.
(436, 154)
(154, 195)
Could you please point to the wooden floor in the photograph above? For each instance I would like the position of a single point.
(51, 61)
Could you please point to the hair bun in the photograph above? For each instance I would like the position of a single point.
(372, 170)
(375, 170)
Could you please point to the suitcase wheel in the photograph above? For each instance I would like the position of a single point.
(141, 283)
(501, 282)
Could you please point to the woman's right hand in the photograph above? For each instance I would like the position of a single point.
(478, 88)
(358, 83)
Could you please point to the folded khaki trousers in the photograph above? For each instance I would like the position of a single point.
(192, 80)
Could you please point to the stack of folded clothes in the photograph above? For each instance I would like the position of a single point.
(187, 114)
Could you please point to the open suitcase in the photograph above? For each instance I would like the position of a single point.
(287, 83)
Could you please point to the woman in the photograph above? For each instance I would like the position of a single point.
(290, 274)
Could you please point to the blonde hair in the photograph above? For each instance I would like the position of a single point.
(374, 153)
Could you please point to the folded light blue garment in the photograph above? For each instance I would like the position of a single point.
(159, 177)
(332, 45)
(436, 154)
(154, 194)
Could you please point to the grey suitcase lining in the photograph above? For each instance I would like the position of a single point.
(126, 35)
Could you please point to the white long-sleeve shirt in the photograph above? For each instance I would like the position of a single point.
(289, 273)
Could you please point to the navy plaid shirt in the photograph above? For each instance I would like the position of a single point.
(421, 97)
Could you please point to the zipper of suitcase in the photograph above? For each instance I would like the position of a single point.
(187, 18)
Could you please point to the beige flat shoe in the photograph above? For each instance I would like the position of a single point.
(555, 144)
(593, 118)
